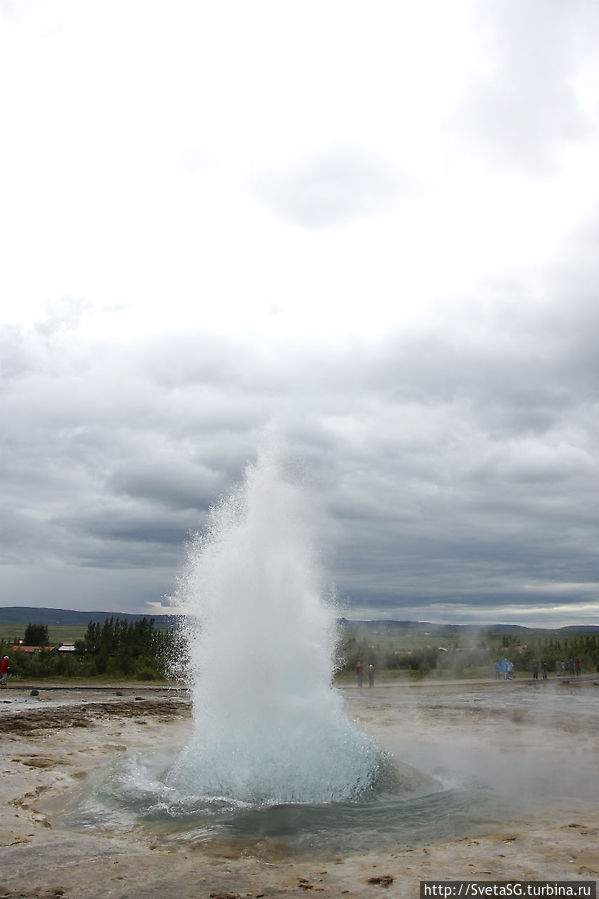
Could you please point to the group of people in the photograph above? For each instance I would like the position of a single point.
(360, 674)
(572, 666)
(505, 668)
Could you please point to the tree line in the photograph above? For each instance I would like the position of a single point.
(459, 661)
(116, 647)
(137, 650)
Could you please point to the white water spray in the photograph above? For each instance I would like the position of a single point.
(268, 726)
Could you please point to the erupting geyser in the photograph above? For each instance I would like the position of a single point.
(268, 726)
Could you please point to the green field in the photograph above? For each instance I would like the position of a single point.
(57, 633)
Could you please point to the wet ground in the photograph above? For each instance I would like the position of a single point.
(534, 746)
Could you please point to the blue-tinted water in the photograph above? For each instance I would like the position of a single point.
(405, 807)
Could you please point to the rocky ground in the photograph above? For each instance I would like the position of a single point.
(536, 742)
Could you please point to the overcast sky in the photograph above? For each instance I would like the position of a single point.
(372, 227)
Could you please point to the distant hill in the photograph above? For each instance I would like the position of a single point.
(24, 615)
(426, 628)
(580, 629)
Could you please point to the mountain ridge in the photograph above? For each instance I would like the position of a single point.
(24, 615)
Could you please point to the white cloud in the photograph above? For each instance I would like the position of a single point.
(330, 188)
(524, 102)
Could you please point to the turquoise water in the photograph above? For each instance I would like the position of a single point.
(404, 807)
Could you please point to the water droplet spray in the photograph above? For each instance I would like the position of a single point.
(269, 728)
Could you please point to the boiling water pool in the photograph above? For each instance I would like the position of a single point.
(403, 807)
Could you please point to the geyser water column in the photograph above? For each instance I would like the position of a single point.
(268, 726)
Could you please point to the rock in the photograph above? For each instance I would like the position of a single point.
(35, 693)
(41, 819)
(38, 761)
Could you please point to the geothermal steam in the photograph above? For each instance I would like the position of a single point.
(268, 726)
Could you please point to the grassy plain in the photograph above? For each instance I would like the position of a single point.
(57, 633)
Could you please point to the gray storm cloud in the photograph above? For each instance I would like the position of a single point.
(451, 473)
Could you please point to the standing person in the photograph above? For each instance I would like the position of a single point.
(504, 667)
(497, 669)
(535, 669)
(359, 673)
(544, 669)
(578, 666)
(3, 671)
(371, 675)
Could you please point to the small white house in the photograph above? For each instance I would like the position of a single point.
(67, 646)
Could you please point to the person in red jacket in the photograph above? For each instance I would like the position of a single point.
(359, 673)
(3, 671)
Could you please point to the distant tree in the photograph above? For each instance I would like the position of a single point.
(92, 638)
(133, 649)
(36, 635)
